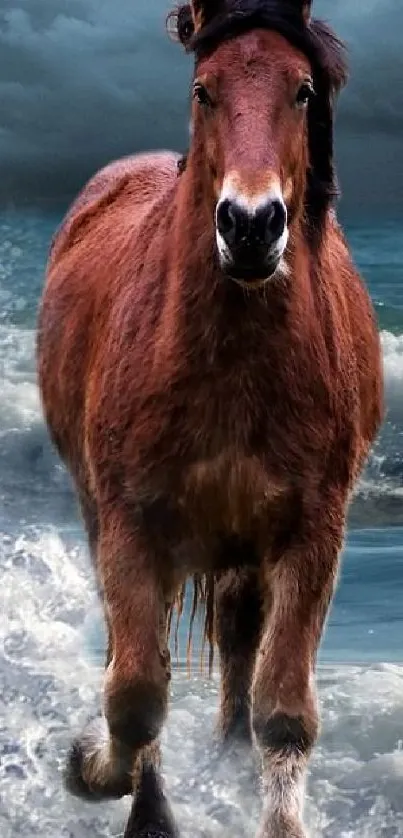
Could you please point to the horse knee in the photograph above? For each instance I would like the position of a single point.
(284, 735)
(285, 719)
(135, 709)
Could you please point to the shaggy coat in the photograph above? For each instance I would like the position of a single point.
(214, 429)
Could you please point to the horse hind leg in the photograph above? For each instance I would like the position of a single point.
(238, 631)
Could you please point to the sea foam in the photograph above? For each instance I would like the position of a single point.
(49, 686)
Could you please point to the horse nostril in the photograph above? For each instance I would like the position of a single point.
(226, 220)
(276, 217)
(243, 228)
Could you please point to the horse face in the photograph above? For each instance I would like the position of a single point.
(250, 100)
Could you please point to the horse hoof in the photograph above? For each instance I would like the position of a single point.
(161, 827)
(77, 784)
(151, 830)
(151, 815)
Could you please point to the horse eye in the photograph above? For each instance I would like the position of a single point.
(304, 94)
(187, 31)
(185, 24)
(202, 95)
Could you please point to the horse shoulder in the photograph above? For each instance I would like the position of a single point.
(97, 253)
(92, 264)
(143, 177)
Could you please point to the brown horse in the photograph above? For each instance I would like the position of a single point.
(210, 371)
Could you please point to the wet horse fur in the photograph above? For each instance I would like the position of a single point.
(214, 427)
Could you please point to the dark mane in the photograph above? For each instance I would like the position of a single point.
(326, 54)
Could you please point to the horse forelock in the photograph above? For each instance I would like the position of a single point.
(327, 56)
(316, 40)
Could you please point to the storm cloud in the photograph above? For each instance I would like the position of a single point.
(85, 81)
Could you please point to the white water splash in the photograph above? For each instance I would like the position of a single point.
(49, 687)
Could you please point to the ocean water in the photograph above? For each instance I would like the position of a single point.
(52, 640)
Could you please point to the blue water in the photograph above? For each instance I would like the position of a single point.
(52, 639)
(366, 620)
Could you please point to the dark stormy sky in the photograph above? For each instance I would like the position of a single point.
(84, 81)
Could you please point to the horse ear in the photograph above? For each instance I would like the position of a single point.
(306, 11)
(204, 10)
(186, 19)
(304, 7)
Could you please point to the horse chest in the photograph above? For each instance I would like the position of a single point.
(229, 493)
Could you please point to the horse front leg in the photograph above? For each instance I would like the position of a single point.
(238, 631)
(151, 815)
(104, 761)
(284, 705)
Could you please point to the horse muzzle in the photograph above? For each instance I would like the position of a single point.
(251, 244)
